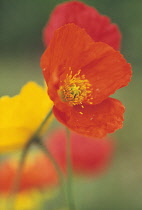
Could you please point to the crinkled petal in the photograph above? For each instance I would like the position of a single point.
(108, 72)
(71, 49)
(93, 120)
(98, 26)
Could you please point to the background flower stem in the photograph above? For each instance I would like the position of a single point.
(55, 164)
(70, 199)
(32, 140)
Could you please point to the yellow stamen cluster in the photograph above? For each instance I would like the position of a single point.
(75, 89)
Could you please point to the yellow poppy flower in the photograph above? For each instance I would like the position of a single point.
(21, 115)
(31, 200)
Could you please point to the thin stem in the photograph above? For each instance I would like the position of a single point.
(52, 159)
(69, 171)
(57, 168)
(41, 126)
(32, 140)
(17, 179)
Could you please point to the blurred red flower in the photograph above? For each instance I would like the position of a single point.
(89, 157)
(81, 75)
(38, 172)
(98, 26)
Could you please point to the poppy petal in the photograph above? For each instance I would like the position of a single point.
(98, 26)
(108, 72)
(93, 120)
(89, 155)
(31, 177)
(71, 50)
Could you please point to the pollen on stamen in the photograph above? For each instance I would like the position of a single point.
(75, 89)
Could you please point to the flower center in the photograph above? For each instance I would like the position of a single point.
(75, 89)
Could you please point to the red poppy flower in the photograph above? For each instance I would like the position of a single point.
(96, 25)
(88, 157)
(81, 75)
(38, 172)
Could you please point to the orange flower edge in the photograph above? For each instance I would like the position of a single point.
(93, 120)
(81, 74)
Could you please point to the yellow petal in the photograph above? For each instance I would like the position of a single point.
(21, 115)
(28, 200)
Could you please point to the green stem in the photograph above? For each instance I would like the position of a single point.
(40, 127)
(55, 164)
(17, 179)
(69, 172)
(32, 140)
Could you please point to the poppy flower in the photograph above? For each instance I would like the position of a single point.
(88, 157)
(21, 115)
(30, 200)
(38, 173)
(81, 75)
(98, 26)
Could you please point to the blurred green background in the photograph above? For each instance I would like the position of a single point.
(21, 24)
